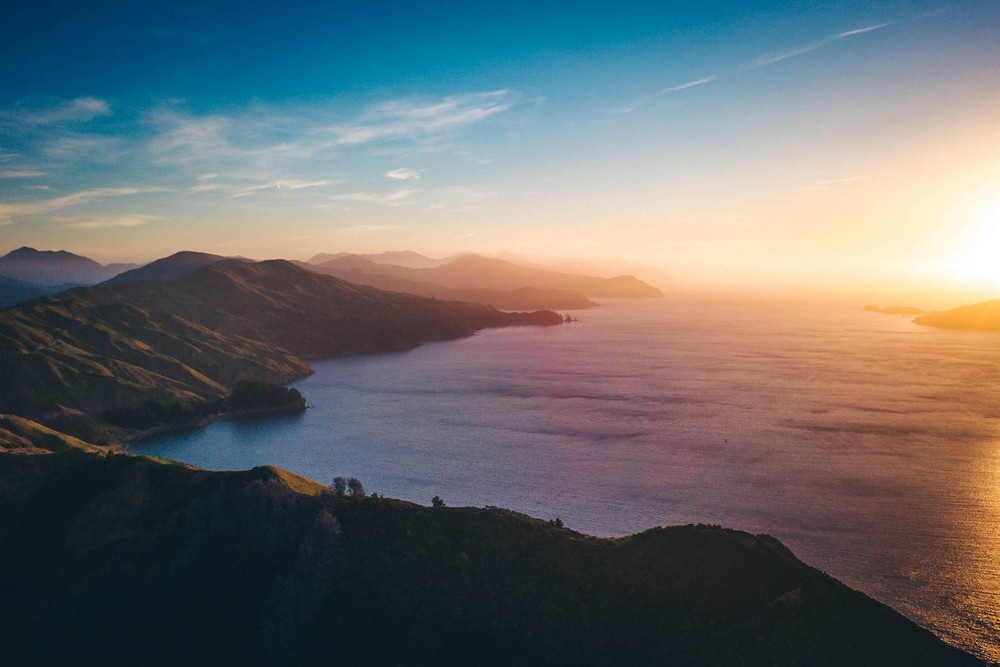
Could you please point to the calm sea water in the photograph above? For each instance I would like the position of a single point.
(869, 445)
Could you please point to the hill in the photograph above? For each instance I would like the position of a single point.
(126, 559)
(525, 298)
(169, 350)
(476, 272)
(977, 317)
(173, 267)
(48, 267)
(406, 258)
(18, 291)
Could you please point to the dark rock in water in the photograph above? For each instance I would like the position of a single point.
(250, 397)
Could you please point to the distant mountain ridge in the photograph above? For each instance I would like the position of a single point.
(55, 267)
(406, 258)
(477, 272)
(175, 266)
(525, 298)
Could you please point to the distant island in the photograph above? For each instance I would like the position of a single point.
(110, 557)
(983, 316)
(894, 310)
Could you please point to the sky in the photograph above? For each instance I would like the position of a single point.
(837, 145)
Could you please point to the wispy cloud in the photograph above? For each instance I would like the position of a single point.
(416, 117)
(100, 222)
(8, 212)
(403, 174)
(80, 109)
(824, 185)
(691, 84)
(359, 230)
(21, 173)
(649, 99)
(396, 198)
(276, 185)
(772, 58)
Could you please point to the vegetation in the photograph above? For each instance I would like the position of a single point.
(118, 558)
(100, 362)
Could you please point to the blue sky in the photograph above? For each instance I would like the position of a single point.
(838, 137)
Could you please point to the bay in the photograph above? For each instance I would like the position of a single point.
(867, 444)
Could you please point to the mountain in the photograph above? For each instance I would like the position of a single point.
(979, 317)
(893, 310)
(119, 559)
(165, 352)
(525, 298)
(406, 258)
(48, 267)
(476, 272)
(17, 291)
(173, 267)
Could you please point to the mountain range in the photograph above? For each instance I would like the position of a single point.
(477, 272)
(983, 316)
(56, 267)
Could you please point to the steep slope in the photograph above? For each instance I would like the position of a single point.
(123, 559)
(75, 356)
(175, 266)
(977, 317)
(47, 267)
(68, 358)
(476, 272)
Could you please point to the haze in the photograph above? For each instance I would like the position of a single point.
(816, 147)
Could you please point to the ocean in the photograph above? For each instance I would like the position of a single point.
(869, 445)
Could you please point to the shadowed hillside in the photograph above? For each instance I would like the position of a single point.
(131, 559)
(172, 346)
(55, 267)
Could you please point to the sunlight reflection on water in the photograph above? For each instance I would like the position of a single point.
(868, 444)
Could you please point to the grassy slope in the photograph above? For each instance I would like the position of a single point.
(83, 351)
(121, 558)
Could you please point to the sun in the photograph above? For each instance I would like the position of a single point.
(974, 258)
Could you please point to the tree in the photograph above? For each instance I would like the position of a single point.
(355, 489)
(339, 486)
(437, 502)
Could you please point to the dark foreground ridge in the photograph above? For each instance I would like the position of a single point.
(123, 559)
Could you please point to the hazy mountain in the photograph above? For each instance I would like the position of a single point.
(173, 267)
(81, 353)
(16, 291)
(980, 316)
(119, 559)
(48, 267)
(893, 310)
(406, 258)
(476, 272)
(525, 298)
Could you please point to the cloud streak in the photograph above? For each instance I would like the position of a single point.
(8, 212)
(403, 174)
(772, 58)
(101, 222)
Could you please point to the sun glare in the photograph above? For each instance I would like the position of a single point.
(975, 257)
